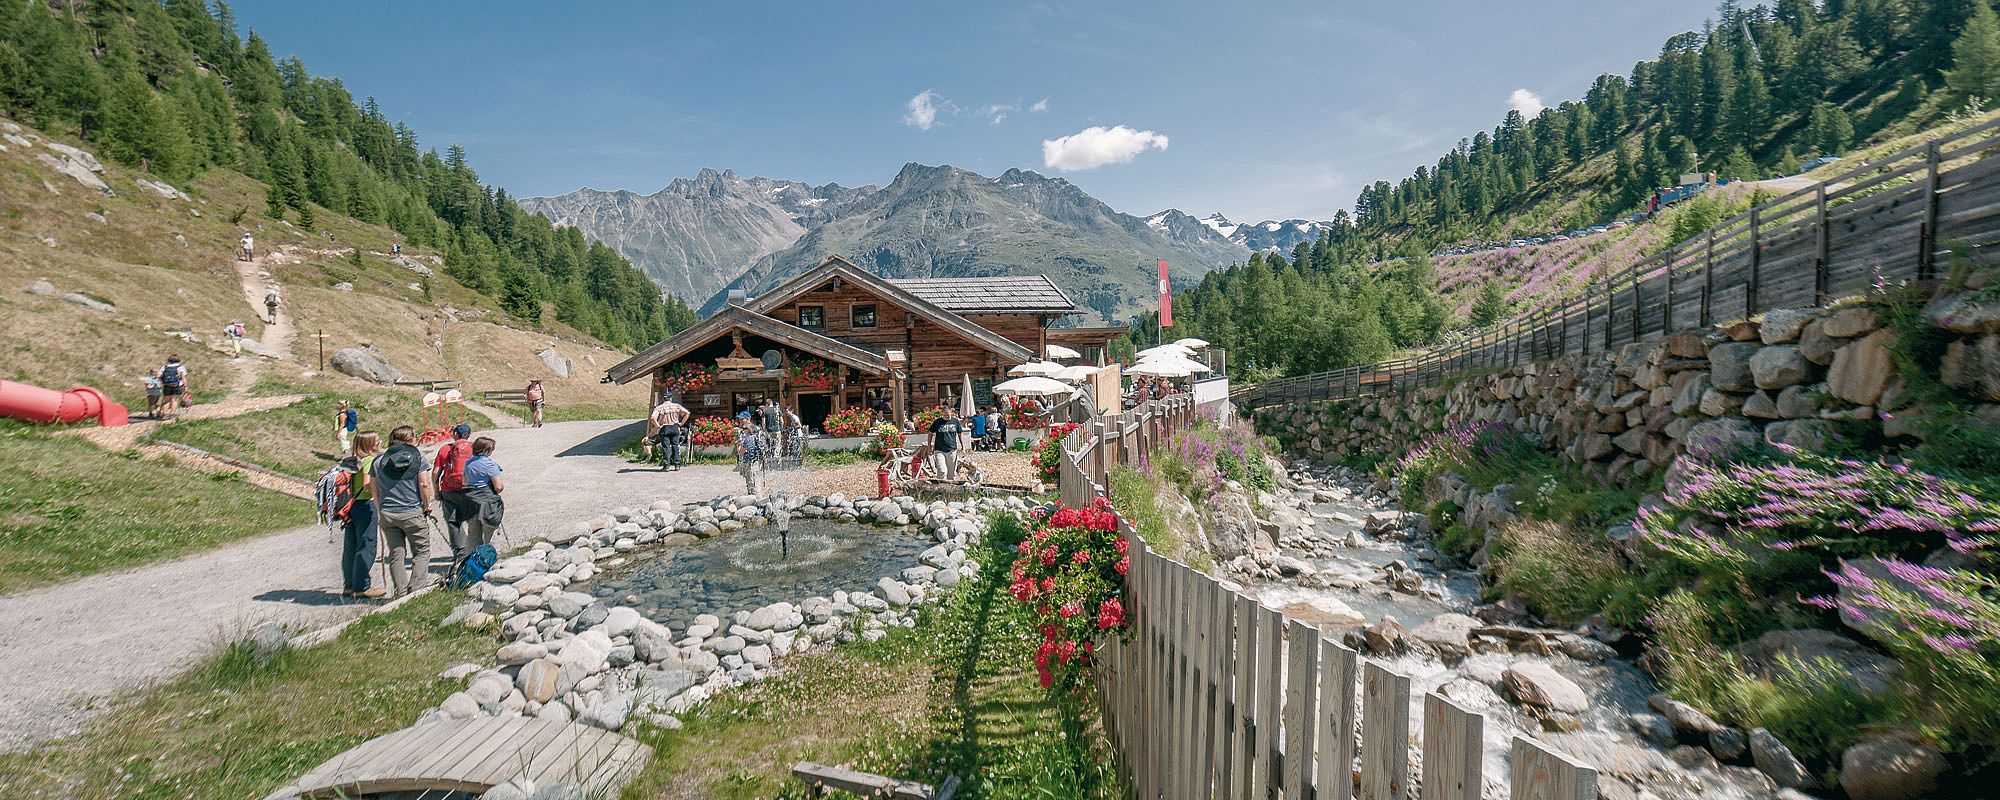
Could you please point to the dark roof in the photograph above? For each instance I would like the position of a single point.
(736, 317)
(833, 266)
(1021, 294)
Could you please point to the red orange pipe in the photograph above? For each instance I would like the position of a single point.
(48, 406)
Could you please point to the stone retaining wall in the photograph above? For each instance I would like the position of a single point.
(1800, 377)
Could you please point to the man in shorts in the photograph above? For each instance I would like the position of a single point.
(535, 396)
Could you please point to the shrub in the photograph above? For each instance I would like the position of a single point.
(1567, 575)
(711, 432)
(1071, 573)
(887, 438)
(922, 420)
(812, 373)
(1944, 625)
(1048, 452)
(1022, 414)
(1494, 449)
(847, 422)
(1199, 459)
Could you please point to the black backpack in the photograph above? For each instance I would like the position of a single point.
(170, 375)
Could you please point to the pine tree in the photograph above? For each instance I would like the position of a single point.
(1491, 305)
(306, 220)
(1828, 131)
(1736, 165)
(1975, 67)
(274, 202)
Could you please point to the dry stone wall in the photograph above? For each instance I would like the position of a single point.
(1800, 377)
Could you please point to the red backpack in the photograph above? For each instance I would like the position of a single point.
(451, 460)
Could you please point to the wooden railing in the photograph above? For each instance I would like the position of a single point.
(1214, 695)
(1887, 220)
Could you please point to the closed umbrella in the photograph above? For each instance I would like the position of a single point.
(1033, 386)
(966, 407)
(1037, 368)
(1059, 351)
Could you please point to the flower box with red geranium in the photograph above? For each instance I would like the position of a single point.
(711, 432)
(849, 422)
(811, 373)
(923, 419)
(1023, 414)
(1048, 453)
(1071, 574)
(684, 378)
(886, 438)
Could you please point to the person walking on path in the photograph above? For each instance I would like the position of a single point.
(174, 388)
(944, 440)
(345, 420)
(234, 332)
(535, 396)
(750, 456)
(357, 543)
(246, 249)
(153, 391)
(404, 496)
(450, 470)
(663, 430)
(271, 305)
(483, 487)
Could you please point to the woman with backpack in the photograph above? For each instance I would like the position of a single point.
(357, 546)
(483, 486)
(174, 389)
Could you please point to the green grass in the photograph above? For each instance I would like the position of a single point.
(235, 727)
(297, 439)
(68, 508)
(564, 412)
(955, 696)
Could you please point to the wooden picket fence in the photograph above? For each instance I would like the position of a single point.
(1891, 219)
(1212, 695)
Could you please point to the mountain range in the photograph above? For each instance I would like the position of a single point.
(700, 237)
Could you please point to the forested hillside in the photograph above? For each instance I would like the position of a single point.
(1755, 92)
(173, 89)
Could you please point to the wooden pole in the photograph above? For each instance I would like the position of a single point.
(1822, 278)
(1751, 289)
(1927, 235)
(1707, 278)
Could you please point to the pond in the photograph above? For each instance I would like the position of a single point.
(754, 567)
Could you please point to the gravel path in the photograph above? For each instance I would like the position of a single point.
(69, 651)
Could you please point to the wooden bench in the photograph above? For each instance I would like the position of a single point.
(438, 385)
(473, 755)
(515, 396)
(819, 777)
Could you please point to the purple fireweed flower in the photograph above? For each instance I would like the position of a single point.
(1950, 642)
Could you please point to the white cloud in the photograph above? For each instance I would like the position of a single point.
(924, 109)
(1094, 147)
(998, 111)
(1526, 102)
(1039, 106)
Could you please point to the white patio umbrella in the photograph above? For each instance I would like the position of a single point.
(965, 406)
(1191, 343)
(1170, 348)
(1033, 386)
(1059, 351)
(1159, 369)
(1037, 368)
(1077, 374)
(1183, 362)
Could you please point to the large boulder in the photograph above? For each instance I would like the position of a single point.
(365, 363)
(1768, 655)
(1862, 369)
(554, 361)
(1890, 767)
(1233, 528)
(1973, 366)
(1773, 758)
(1779, 366)
(1729, 365)
(1536, 684)
(1783, 325)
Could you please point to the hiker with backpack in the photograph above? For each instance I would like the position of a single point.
(403, 505)
(457, 506)
(153, 391)
(483, 487)
(271, 305)
(174, 389)
(534, 395)
(345, 420)
(348, 497)
(234, 332)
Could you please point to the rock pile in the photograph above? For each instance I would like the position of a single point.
(571, 655)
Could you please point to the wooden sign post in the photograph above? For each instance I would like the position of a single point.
(320, 342)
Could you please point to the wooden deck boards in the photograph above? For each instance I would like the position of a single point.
(473, 755)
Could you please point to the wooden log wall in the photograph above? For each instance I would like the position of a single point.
(1901, 217)
(1211, 695)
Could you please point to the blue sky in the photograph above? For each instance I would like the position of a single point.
(1268, 110)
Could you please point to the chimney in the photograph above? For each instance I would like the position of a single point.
(738, 297)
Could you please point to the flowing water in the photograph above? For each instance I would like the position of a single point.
(754, 567)
(1617, 689)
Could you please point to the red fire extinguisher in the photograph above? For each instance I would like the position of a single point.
(881, 483)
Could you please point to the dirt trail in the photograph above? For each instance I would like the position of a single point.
(71, 650)
(257, 284)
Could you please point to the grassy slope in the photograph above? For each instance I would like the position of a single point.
(955, 696)
(235, 728)
(68, 509)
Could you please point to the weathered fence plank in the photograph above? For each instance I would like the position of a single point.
(1454, 741)
(1385, 733)
(1539, 773)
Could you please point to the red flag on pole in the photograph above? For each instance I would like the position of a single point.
(1166, 298)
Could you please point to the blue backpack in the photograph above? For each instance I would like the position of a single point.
(474, 569)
